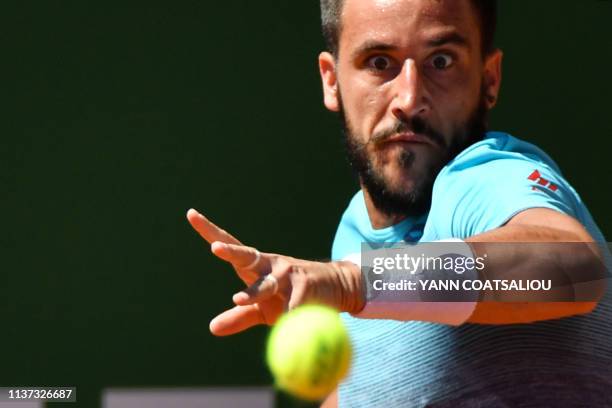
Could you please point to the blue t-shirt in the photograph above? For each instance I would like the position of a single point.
(419, 364)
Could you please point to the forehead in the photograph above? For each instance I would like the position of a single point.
(402, 21)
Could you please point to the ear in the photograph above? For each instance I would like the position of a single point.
(493, 76)
(327, 69)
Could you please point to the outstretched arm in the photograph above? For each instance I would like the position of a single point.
(276, 282)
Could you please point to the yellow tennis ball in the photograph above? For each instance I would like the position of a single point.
(309, 351)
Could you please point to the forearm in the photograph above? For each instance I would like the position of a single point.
(513, 254)
(576, 268)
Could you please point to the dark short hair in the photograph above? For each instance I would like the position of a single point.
(331, 11)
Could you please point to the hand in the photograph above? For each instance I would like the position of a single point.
(276, 282)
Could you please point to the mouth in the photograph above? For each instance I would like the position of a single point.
(409, 137)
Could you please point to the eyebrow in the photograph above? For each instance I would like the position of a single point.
(450, 38)
(369, 46)
(437, 41)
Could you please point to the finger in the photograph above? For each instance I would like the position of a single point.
(264, 288)
(209, 231)
(235, 320)
(241, 256)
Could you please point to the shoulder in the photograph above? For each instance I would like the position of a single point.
(497, 161)
(499, 149)
(493, 180)
(348, 232)
(354, 212)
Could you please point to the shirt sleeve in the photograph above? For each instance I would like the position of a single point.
(475, 199)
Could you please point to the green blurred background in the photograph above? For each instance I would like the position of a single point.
(118, 118)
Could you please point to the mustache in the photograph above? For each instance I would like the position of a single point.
(415, 125)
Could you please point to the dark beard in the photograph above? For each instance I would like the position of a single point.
(417, 201)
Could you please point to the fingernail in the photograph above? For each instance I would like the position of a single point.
(240, 297)
(217, 245)
(194, 211)
(212, 326)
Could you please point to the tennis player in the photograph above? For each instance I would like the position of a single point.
(414, 81)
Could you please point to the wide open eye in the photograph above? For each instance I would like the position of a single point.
(379, 63)
(441, 61)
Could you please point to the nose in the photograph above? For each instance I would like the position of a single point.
(407, 100)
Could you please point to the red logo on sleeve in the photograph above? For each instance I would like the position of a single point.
(537, 177)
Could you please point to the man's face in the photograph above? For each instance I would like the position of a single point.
(412, 86)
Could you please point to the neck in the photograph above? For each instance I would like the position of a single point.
(378, 219)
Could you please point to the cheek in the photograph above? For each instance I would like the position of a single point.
(364, 105)
(455, 103)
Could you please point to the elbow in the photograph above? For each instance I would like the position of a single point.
(581, 308)
(588, 294)
(589, 276)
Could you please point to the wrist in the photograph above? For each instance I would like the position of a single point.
(414, 304)
(352, 296)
